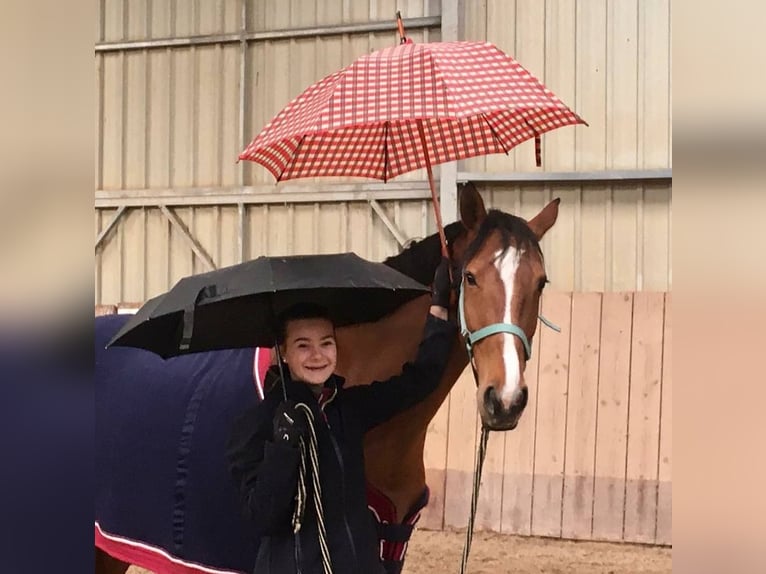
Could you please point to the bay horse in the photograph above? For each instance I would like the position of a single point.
(500, 270)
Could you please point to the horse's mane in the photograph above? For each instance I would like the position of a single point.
(421, 258)
(509, 226)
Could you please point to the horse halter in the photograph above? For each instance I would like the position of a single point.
(472, 337)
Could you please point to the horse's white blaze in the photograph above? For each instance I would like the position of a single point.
(507, 264)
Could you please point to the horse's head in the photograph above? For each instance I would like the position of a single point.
(503, 276)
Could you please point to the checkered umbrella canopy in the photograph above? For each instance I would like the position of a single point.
(407, 107)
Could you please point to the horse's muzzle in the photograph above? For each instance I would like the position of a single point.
(496, 416)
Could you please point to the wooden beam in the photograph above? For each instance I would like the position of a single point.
(401, 239)
(105, 231)
(193, 243)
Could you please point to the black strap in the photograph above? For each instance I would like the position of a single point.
(188, 320)
(393, 566)
(394, 532)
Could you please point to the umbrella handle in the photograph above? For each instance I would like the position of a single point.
(400, 25)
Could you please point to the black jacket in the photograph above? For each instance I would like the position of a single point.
(267, 472)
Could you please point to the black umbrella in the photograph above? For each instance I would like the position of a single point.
(236, 306)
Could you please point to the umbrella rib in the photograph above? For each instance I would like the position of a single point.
(385, 154)
(293, 159)
(494, 133)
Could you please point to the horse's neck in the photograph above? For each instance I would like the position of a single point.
(394, 450)
(377, 351)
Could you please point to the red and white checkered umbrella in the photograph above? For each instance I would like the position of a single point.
(408, 107)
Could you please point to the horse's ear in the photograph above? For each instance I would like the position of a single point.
(544, 220)
(472, 210)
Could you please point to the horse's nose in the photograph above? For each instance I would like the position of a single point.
(495, 407)
(520, 398)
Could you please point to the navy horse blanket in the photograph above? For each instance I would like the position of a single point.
(164, 498)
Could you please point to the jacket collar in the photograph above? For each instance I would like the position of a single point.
(299, 391)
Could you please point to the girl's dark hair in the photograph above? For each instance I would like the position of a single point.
(300, 311)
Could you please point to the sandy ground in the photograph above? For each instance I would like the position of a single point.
(439, 552)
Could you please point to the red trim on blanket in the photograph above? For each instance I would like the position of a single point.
(149, 557)
(385, 513)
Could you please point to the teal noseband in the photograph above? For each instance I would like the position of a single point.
(472, 337)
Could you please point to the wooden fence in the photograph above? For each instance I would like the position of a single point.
(591, 458)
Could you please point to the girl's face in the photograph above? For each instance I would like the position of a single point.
(310, 350)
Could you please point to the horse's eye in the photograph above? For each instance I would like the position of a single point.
(470, 279)
(541, 285)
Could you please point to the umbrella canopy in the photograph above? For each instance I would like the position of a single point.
(408, 107)
(237, 306)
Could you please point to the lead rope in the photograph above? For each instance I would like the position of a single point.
(300, 499)
(480, 454)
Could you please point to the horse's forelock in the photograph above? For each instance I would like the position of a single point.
(510, 228)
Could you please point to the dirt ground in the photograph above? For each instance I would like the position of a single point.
(440, 552)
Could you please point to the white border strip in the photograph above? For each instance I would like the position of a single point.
(256, 372)
(162, 553)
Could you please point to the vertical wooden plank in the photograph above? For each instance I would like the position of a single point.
(99, 122)
(111, 261)
(625, 235)
(530, 52)
(182, 118)
(490, 504)
(519, 457)
(206, 233)
(181, 256)
(551, 416)
(581, 416)
(303, 240)
(665, 474)
(560, 242)
(501, 31)
(435, 462)
(208, 115)
(653, 84)
(644, 417)
(591, 85)
(157, 262)
(97, 263)
(158, 132)
(560, 68)
(621, 103)
(229, 116)
(593, 232)
(134, 249)
(113, 129)
(655, 264)
(461, 451)
(612, 416)
(135, 115)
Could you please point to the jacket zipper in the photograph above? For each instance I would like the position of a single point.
(339, 456)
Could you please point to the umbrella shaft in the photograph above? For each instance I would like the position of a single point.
(437, 206)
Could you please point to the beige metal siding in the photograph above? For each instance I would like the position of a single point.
(171, 117)
(144, 255)
(609, 61)
(606, 238)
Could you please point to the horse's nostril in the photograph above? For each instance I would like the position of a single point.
(490, 401)
(521, 398)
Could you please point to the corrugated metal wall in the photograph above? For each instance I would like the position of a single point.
(607, 237)
(609, 61)
(170, 118)
(146, 255)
